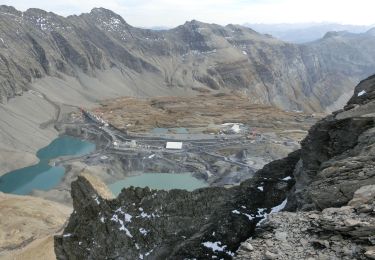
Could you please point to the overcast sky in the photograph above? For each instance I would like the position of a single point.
(147, 13)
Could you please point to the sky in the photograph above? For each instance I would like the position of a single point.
(170, 13)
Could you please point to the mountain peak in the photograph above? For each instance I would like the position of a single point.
(103, 12)
(107, 17)
(9, 10)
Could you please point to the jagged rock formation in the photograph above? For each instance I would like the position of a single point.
(336, 168)
(336, 159)
(347, 232)
(142, 223)
(338, 155)
(36, 44)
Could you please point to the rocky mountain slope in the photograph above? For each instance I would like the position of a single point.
(36, 44)
(334, 164)
(52, 64)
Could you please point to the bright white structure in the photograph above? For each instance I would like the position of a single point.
(174, 145)
(236, 128)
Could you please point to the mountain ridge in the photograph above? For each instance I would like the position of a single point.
(194, 54)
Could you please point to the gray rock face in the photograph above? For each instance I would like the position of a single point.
(35, 44)
(335, 233)
(142, 223)
(338, 155)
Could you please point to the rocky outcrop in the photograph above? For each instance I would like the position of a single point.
(143, 223)
(35, 44)
(335, 233)
(335, 174)
(338, 155)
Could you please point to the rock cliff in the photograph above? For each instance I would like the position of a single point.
(143, 223)
(336, 159)
(335, 174)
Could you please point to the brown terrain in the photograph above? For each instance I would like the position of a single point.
(27, 226)
(204, 113)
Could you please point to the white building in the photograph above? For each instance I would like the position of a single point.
(174, 145)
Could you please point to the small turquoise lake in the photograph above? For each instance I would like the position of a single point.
(159, 181)
(42, 176)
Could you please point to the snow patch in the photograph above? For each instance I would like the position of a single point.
(128, 217)
(122, 226)
(275, 209)
(215, 246)
(248, 216)
(145, 215)
(287, 178)
(143, 231)
(260, 188)
(280, 207)
(361, 93)
(97, 200)
(149, 252)
(67, 235)
(236, 212)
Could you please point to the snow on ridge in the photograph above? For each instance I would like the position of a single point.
(215, 246)
(280, 207)
(122, 226)
(361, 93)
(97, 200)
(128, 217)
(143, 231)
(275, 209)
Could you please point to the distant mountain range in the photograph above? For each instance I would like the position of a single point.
(190, 58)
(305, 32)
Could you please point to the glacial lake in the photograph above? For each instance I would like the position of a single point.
(42, 176)
(159, 181)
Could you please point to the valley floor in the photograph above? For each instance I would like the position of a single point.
(212, 151)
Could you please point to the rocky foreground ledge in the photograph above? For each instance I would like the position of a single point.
(336, 160)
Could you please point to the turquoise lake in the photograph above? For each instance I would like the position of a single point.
(159, 181)
(42, 176)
